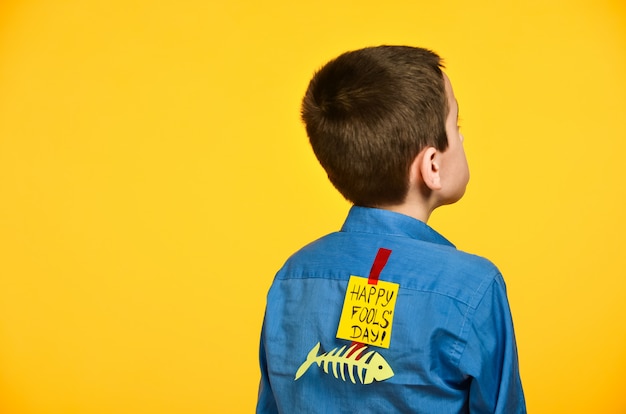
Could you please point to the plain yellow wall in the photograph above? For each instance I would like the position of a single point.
(154, 175)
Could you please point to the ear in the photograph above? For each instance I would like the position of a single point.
(429, 168)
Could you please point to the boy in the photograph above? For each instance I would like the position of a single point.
(386, 316)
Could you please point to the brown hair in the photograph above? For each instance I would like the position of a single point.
(369, 112)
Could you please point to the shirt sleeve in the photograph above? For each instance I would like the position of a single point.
(266, 404)
(490, 359)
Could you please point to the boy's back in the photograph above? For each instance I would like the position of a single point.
(451, 339)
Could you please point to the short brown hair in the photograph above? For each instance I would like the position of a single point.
(369, 112)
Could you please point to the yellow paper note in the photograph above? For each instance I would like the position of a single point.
(368, 310)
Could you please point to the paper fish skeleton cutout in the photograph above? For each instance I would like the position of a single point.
(372, 364)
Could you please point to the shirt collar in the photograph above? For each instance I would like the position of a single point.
(378, 221)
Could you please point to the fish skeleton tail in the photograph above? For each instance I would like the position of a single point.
(310, 359)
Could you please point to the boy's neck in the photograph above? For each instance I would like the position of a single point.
(418, 211)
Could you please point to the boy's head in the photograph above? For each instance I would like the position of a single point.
(370, 112)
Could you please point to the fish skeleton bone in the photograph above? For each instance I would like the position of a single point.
(372, 364)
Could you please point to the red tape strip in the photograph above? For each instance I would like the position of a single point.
(379, 262)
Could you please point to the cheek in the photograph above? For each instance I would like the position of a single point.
(463, 168)
(467, 171)
(465, 163)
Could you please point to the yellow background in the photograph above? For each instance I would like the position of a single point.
(154, 175)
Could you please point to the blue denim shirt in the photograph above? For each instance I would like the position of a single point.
(452, 346)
